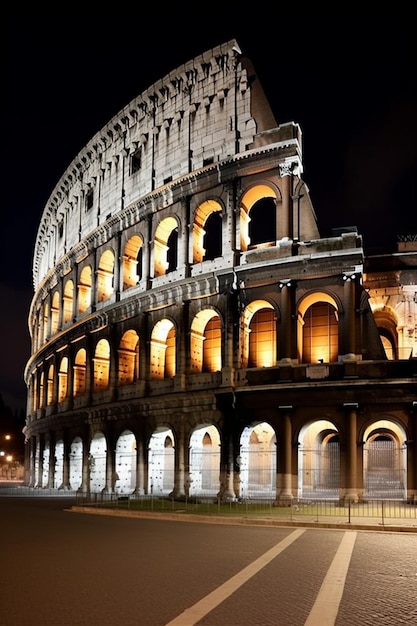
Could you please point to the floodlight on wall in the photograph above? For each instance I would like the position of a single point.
(349, 276)
(285, 282)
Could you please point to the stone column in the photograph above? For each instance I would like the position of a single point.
(349, 335)
(180, 479)
(284, 473)
(286, 208)
(140, 466)
(286, 330)
(351, 489)
(85, 481)
(66, 465)
(229, 478)
(110, 468)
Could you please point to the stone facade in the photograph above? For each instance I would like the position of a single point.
(192, 332)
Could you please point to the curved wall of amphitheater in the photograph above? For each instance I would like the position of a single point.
(192, 333)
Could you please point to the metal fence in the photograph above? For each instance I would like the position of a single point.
(373, 512)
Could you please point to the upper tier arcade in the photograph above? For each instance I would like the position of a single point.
(201, 117)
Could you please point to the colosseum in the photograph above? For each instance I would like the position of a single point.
(193, 334)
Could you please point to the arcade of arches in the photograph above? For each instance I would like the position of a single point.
(155, 467)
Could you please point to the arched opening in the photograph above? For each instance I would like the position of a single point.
(262, 225)
(105, 276)
(80, 365)
(50, 385)
(97, 463)
(132, 262)
(207, 232)
(258, 461)
(319, 461)
(129, 358)
(76, 463)
(55, 313)
(166, 246)
(206, 336)
(42, 390)
(161, 461)
(84, 289)
(101, 365)
(259, 337)
(163, 350)
(385, 461)
(68, 301)
(318, 335)
(204, 462)
(125, 478)
(63, 379)
(258, 217)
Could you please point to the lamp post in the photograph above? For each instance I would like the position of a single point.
(6, 459)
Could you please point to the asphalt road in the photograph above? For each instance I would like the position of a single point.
(60, 567)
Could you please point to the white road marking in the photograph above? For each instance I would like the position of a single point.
(326, 606)
(191, 616)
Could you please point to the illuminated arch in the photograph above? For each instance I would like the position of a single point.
(55, 313)
(101, 365)
(204, 461)
(207, 231)
(68, 301)
(385, 460)
(319, 461)
(132, 262)
(206, 342)
(125, 459)
(80, 367)
(97, 463)
(258, 461)
(161, 461)
(45, 320)
(84, 289)
(165, 246)
(259, 337)
(318, 329)
(76, 463)
(63, 379)
(50, 385)
(41, 403)
(128, 370)
(257, 194)
(105, 276)
(163, 350)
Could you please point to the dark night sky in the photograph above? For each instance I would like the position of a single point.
(350, 83)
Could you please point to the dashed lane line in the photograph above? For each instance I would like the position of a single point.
(326, 606)
(191, 616)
